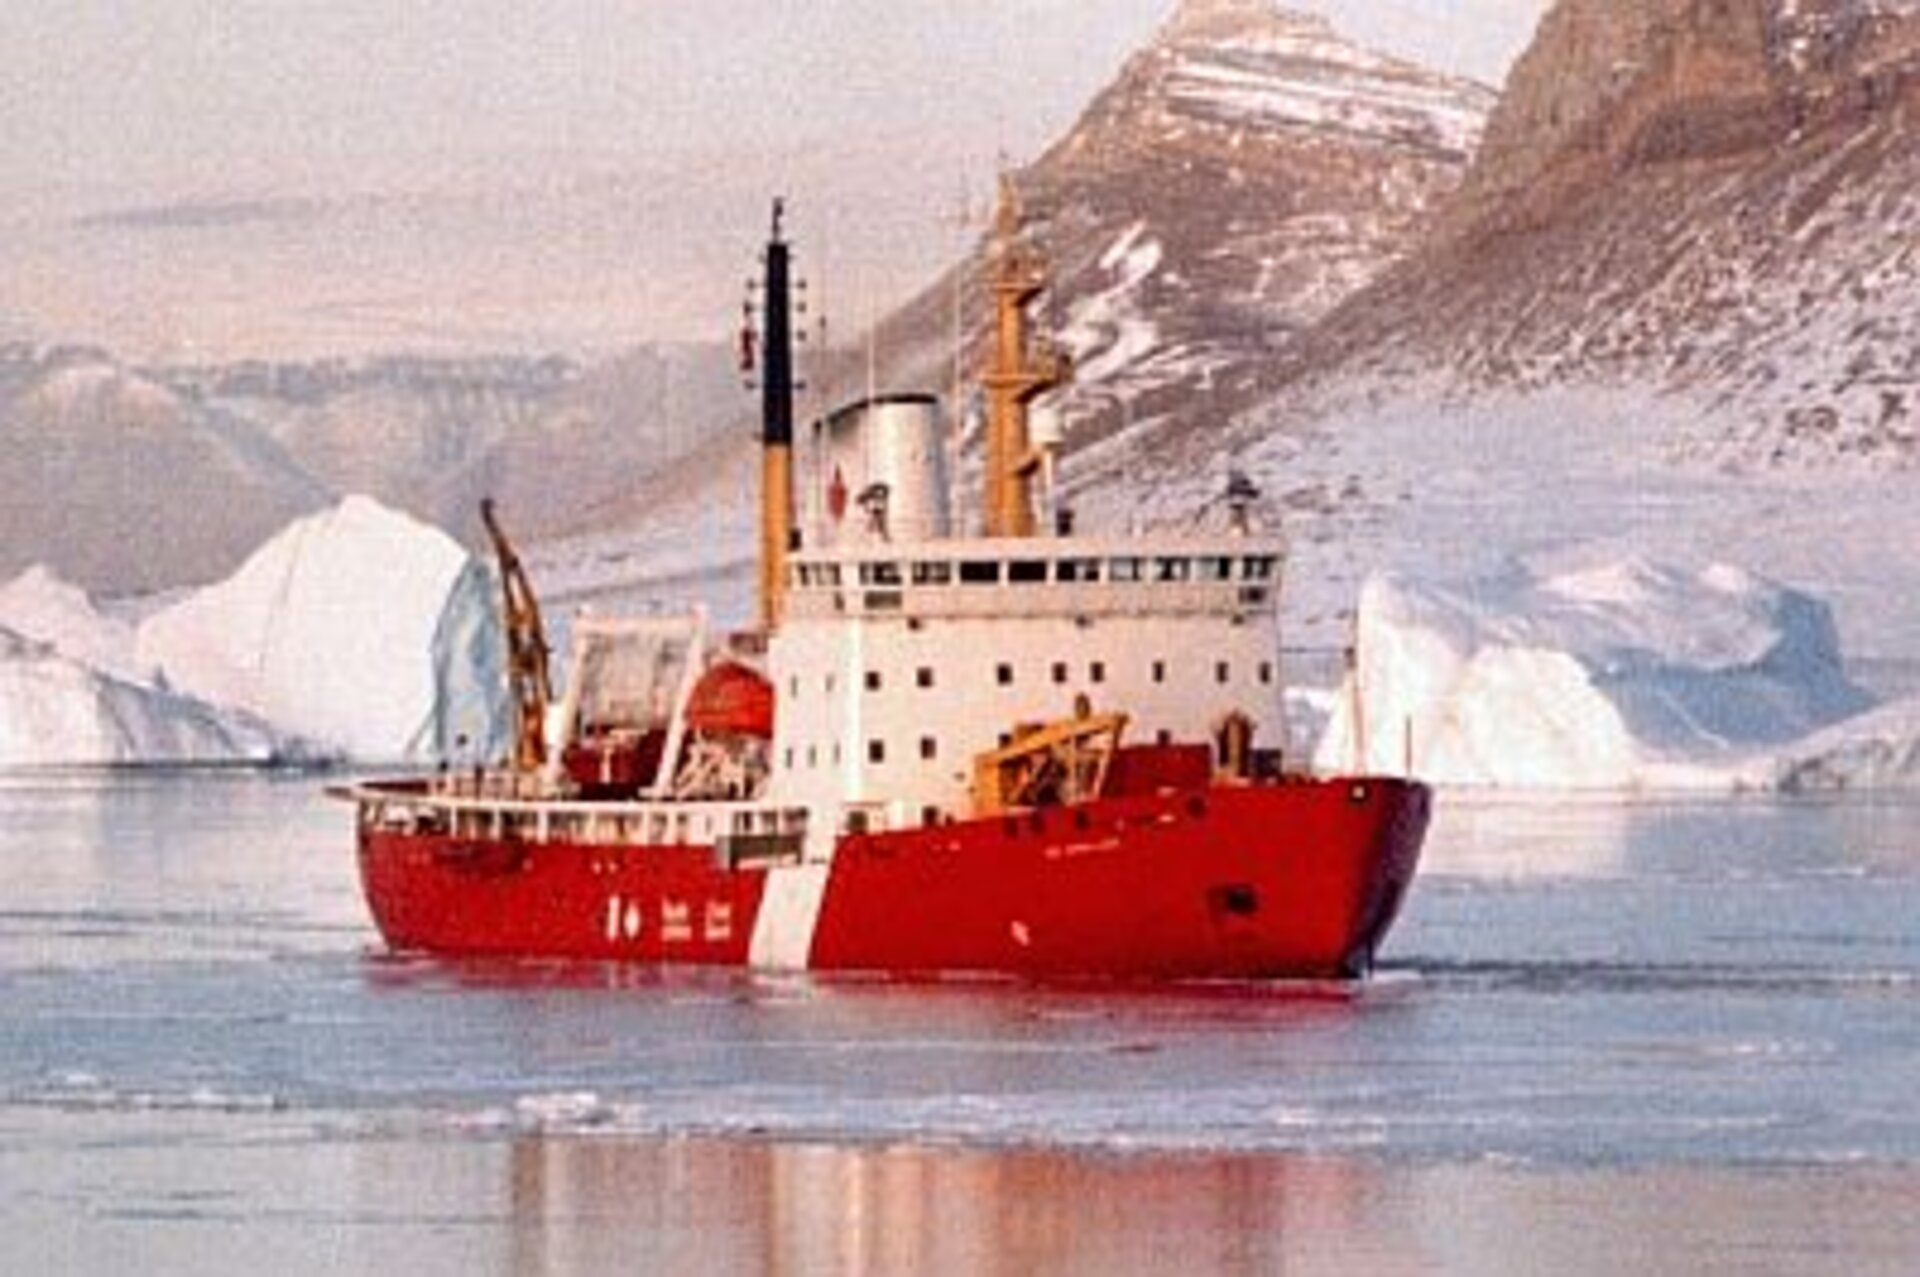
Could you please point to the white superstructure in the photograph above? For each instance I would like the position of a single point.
(898, 664)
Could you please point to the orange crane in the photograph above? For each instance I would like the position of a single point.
(528, 678)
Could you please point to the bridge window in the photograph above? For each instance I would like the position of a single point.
(1172, 569)
(1027, 572)
(1128, 569)
(1258, 567)
(1070, 571)
(933, 574)
(880, 574)
(1216, 569)
(980, 573)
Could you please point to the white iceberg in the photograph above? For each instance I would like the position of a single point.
(329, 632)
(58, 712)
(38, 605)
(1633, 674)
(1877, 750)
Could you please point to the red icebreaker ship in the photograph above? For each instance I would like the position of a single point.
(1040, 755)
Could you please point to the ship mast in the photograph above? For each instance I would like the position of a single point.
(776, 430)
(1019, 370)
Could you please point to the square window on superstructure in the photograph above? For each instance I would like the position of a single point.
(929, 748)
(1159, 671)
(1222, 672)
(1059, 671)
(923, 677)
(873, 680)
(876, 751)
(1097, 672)
(1266, 672)
(1003, 674)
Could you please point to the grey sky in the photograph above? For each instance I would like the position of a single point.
(151, 96)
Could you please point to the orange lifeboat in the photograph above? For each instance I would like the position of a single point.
(731, 700)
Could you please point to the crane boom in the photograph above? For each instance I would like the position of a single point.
(529, 680)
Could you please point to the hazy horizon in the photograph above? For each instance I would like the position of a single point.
(177, 176)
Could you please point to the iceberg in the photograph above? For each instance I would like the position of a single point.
(1629, 675)
(348, 629)
(1877, 750)
(58, 712)
(38, 605)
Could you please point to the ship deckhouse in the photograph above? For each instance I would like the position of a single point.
(897, 665)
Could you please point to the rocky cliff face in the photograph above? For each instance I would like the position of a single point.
(1708, 200)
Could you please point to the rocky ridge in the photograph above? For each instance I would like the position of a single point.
(1245, 173)
(1711, 201)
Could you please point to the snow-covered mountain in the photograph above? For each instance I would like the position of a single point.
(1674, 313)
(1246, 171)
(1712, 202)
(135, 479)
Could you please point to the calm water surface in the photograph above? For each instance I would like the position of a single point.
(1664, 1035)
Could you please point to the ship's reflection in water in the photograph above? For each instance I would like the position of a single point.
(749, 1207)
(587, 1205)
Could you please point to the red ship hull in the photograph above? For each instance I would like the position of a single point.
(1293, 880)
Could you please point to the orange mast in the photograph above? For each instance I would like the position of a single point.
(1019, 370)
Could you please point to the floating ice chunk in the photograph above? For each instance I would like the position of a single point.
(57, 712)
(38, 605)
(1626, 675)
(1876, 750)
(327, 631)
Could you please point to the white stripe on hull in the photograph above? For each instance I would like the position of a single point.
(789, 911)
